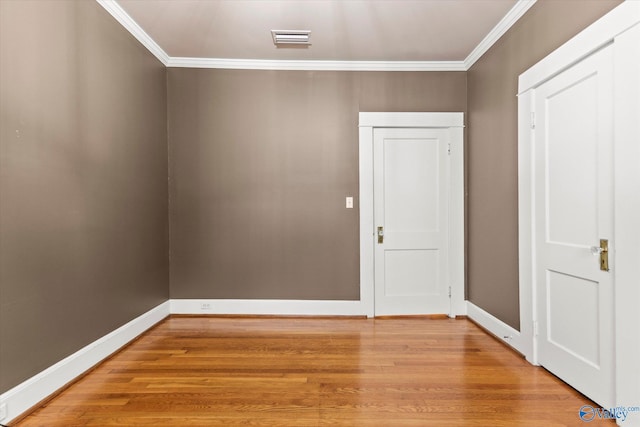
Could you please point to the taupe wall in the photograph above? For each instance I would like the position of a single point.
(83, 190)
(260, 165)
(492, 150)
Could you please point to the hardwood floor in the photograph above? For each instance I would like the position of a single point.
(210, 371)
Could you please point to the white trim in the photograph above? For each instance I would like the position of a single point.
(411, 120)
(626, 56)
(456, 220)
(594, 37)
(136, 30)
(455, 123)
(305, 65)
(516, 12)
(497, 327)
(620, 27)
(526, 219)
(267, 307)
(37, 388)
(367, 228)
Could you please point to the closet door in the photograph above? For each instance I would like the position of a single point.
(411, 210)
(574, 225)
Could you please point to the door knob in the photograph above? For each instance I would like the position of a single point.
(603, 251)
(380, 235)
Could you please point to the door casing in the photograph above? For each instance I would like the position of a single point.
(454, 122)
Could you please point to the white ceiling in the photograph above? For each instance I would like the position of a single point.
(341, 30)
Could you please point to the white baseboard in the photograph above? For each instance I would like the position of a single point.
(29, 393)
(496, 326)
(268, 307)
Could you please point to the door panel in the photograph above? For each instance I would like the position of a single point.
(573, 181)
(411, 207)
(571, 123)
(573, 306)
(411, 204)
(411, 273)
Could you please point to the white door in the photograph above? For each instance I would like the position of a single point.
(574, 210)
(411, 181)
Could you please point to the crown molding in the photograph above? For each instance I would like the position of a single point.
(516, 12)
(262, 64)
(136, 30)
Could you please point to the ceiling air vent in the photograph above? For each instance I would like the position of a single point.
(284, 37)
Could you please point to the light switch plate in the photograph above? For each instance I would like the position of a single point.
(349, 202)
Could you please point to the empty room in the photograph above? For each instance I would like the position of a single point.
(319, 212)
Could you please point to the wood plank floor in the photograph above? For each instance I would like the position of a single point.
(210, 371)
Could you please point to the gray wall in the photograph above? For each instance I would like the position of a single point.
(83, 190)
(260, 164)
(492, 150)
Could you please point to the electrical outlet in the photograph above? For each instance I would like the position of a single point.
(205, 306)
(3, 411)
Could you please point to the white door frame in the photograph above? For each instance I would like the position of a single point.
(620, 27)
(455, 123)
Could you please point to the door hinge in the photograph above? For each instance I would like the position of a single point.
(449, 148)
(449, 291)
(535, 328)
(533, 120)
